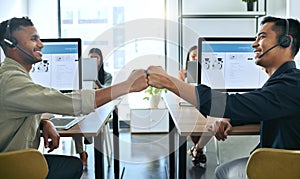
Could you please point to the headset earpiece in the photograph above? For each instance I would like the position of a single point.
(10, 41)
(285, 40)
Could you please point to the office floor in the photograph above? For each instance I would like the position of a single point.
(144, 156)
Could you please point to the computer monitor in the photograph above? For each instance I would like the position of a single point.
(228, 64)
(61, 65)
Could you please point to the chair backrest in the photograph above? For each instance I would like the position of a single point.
(27, 163)
(270, 163)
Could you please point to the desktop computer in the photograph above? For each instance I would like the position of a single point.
(228, 64)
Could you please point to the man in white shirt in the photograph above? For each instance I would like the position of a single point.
(22, 101)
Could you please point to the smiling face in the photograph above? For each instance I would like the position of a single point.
(29, 45)
(265, 40)
(268, 52)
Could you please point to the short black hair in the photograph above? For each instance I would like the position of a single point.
(280, 28)
(14, 25)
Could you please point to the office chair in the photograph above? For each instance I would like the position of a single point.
(27, 163)
(265, 163)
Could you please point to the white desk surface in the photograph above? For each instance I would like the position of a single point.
(189, 121)
(92, 123)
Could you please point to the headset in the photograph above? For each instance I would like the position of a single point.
(10, 41)
(285, 40)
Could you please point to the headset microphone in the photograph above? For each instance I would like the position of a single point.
(261, 55)
(11, 44)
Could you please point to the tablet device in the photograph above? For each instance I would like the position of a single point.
(89, 69)
(192, 72)
(65, 122)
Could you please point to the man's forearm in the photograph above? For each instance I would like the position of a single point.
(105, 95)
(182, 89)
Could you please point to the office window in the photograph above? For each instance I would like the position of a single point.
(130, 34)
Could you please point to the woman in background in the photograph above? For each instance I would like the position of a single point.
(196, 152)
(104, 80)
(192, 55)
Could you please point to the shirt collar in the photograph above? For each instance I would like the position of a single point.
(284, 67)
(13, 63)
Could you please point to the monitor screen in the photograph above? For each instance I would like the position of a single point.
(228, 64)
(61, 66)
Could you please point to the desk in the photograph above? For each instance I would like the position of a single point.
(189, 121)
(91, 126)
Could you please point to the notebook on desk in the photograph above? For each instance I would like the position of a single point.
(65, 122)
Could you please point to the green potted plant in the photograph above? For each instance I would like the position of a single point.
(250, 4)
(154, 96)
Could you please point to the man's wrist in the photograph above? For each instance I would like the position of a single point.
(45, 119)
(46, 116)
(227, 119)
